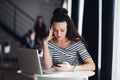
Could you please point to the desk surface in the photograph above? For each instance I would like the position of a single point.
(68, 74)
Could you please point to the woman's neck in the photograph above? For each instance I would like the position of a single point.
(62, 41)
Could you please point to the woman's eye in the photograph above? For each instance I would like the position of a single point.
(62, 30)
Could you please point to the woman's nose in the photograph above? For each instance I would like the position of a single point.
(59, 33)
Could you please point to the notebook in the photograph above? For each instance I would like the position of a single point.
(29, 61)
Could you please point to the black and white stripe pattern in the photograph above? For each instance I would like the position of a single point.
(74, 53)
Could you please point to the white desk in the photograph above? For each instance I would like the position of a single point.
(81, 75)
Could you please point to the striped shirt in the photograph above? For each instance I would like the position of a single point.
(74, 53)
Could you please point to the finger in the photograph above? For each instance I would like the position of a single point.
(64, 62)
(60, 65)
(59, 69)
(51, 28)
(51, 31)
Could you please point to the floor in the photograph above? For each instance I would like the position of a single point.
(8, 71)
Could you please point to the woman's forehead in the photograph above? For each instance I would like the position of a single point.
(59, 24)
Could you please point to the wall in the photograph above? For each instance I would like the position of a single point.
(33, 8)
(38, 7)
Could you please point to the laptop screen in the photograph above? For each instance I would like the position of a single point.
(29, 61)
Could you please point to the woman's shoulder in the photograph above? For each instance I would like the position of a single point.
(77, 42)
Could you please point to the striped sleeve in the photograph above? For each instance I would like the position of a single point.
(81, 49)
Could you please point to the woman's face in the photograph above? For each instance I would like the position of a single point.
(59, 30)
(40, 22)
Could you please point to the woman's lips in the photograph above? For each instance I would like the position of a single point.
(58, 37)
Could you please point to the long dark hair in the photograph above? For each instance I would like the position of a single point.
(37, 21)
(72, 33)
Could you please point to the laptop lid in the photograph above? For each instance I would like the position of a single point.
(29, 61)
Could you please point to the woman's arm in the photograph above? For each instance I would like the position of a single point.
(87, 65)
(47, 59)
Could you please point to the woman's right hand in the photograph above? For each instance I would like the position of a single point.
(50, 35)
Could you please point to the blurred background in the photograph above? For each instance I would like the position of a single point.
(96, 20)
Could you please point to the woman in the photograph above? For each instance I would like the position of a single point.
(40, 30)
(29, 39)
(63, 47)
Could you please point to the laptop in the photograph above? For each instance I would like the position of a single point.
(29, 61)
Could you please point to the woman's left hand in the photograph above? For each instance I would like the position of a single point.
(64, 66)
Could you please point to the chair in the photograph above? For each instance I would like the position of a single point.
(4, 51)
